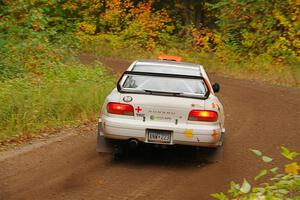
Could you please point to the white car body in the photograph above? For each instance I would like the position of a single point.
(159, 118)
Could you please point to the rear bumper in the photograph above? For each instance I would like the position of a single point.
(182, 134)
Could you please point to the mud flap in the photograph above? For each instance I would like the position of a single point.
(103, 145)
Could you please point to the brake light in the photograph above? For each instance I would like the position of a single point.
(120, 109)
(203, 115)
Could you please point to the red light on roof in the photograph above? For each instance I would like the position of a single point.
(170, 58)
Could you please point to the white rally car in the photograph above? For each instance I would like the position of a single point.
(162, 102)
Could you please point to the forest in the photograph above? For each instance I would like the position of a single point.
(40, 75)
(262, 32)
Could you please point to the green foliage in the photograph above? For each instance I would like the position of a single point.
(288, 154)
(137, 25)
(253, 28)
(32, 36)
(261, 174)
(64, 95)
(256, 152)
(280, 185)
(220, 196)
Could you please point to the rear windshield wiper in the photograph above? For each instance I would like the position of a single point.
(192, 95)
(159, 92)
(174, 93)
(133, 90)
(163, 92)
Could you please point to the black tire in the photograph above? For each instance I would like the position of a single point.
(119, 152)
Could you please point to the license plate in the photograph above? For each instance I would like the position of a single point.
(159, 136)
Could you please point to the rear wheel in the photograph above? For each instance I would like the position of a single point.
(118, 152)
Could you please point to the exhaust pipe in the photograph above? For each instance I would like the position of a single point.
(133, 143)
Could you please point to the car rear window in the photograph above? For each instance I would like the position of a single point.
(164, 84)
(190, 71)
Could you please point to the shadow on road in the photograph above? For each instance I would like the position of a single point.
(173, 156)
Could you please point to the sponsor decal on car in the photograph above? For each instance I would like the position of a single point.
(196, 105)
(215, 136)
(161, 112)
(138, 109)
(153, 117)
(127, 99)
(140, 114)
(188, 133)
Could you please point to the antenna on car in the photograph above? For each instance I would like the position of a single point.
(169, 58)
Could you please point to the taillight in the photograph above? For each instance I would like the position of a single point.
(203, 115)
(120, 109)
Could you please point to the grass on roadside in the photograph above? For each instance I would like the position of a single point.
(63, 95)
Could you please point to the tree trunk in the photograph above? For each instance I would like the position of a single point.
(98, 14)
(199, 14)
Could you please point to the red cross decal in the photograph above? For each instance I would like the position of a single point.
(138, 109)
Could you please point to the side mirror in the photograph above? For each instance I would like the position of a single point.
(216, 87)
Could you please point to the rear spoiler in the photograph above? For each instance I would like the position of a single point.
(162, 75)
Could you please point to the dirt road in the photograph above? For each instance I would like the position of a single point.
(257, 116)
